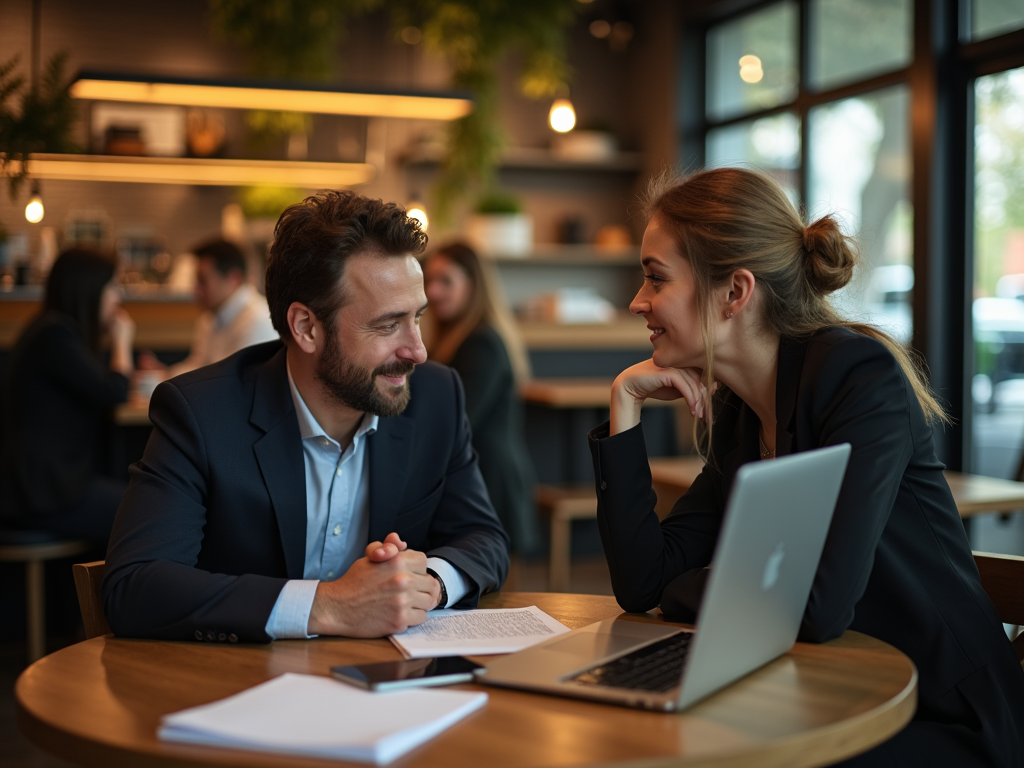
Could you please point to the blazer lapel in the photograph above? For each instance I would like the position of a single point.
(279, 454)
(787, 382)
(745, 451)
(389, 450)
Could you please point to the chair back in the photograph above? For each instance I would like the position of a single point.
(1002, 576)
(88, 580)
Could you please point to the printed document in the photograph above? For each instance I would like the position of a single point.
(320, 717)
(478, 632)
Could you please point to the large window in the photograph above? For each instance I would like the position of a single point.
(761, 95)
(998, 305)
(994, 17)
(851, 40)
(906, 121)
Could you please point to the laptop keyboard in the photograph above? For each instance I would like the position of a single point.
(656, 667)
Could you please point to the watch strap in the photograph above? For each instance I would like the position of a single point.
(443, 601)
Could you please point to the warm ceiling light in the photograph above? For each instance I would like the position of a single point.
(600, 28)
(34, 211)
(240, 95)
(201, 171)
(750, 69)
(562, 116)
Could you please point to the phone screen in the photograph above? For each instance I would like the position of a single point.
(408, 673)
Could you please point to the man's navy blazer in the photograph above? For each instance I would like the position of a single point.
(213, 523)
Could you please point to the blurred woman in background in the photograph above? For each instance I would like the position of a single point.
(57, 398)
(473, 332)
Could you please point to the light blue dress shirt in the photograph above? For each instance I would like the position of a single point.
(337, 520)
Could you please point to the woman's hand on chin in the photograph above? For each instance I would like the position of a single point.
(646, 380)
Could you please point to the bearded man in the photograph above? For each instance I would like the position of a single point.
(324, 484)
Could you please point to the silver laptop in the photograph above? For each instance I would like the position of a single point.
(768, 550)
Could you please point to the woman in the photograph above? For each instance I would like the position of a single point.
(57, 397)
(735, 296)
(474, 334)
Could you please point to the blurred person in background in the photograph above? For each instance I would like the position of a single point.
(235, 315)
(473, 332)
(57, 396)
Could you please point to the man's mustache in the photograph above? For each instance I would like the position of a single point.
(394, 370)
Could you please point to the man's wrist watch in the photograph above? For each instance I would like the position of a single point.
(443, 600)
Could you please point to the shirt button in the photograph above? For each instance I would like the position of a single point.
(337, 530)
(604, 486)
(324, 441)
(330, 574)
(339, 472)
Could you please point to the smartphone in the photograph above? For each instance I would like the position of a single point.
(408, 673)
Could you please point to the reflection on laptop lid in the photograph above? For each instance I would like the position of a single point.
(772, 535)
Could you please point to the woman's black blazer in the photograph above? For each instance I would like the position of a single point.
(56, 403)
(496, 417)
(896, 564)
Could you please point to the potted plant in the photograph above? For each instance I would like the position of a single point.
(44, 122)
(498, 226)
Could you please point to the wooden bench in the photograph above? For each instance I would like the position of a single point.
(561, 504)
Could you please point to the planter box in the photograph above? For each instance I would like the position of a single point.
(500, 234)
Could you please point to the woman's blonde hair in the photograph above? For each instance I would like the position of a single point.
(725, 219)
(487, 305)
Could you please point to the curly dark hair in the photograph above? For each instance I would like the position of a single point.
(314, 238)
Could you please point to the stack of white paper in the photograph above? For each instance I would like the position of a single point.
(320, 717)
(478, 632)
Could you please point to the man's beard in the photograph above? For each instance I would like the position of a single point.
(357, 387)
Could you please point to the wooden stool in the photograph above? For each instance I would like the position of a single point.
(34, 548)
(563, 504)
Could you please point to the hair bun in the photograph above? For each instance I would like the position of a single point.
(829, 255)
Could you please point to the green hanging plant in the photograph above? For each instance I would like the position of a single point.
(474, 36)
(289, 40)
(297, 40)
(44, 122)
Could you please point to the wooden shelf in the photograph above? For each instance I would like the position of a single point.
(161, 323)
(198, 171)
(627, 333)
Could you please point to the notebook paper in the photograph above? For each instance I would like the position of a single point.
(320, 717)
(478, 632)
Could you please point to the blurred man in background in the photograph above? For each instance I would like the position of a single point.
(235, 315)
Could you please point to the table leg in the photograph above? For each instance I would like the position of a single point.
(561, 553)
(34, 591)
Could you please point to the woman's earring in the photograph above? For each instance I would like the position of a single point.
(729, 313)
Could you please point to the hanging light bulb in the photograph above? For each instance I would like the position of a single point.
(418, 211)
(562, 116)
(34, 210)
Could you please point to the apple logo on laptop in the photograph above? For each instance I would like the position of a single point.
(771, 568)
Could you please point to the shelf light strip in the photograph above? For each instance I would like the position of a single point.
(424, 107)
(165, 170)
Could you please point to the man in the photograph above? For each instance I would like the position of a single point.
(322, 484)
(234, 314)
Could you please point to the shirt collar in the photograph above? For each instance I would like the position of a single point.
(308, 425)
(234, 304)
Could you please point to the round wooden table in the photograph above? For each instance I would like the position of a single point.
(98, 703)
